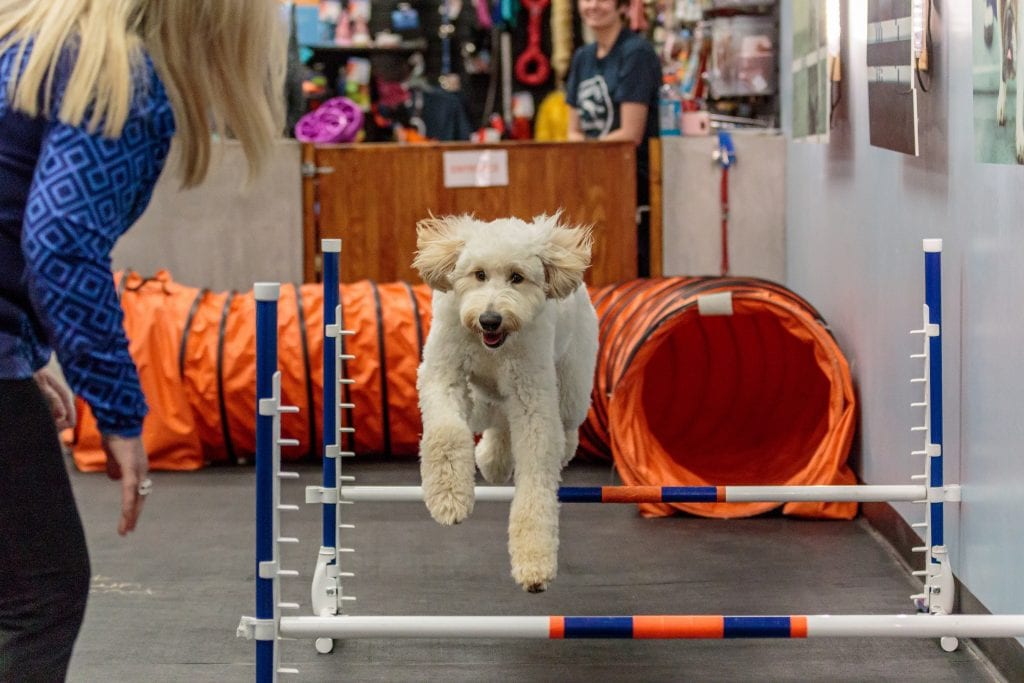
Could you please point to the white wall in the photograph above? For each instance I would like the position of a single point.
(225, 234)
(856, 216)
(692, 206)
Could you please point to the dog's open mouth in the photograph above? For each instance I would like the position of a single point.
(493, 340)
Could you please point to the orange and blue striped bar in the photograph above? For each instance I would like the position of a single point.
(662, 627)
(665, 494)
(641, 494)
(691, 626)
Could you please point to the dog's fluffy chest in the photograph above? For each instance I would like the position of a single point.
(484, 375)
(486, 386)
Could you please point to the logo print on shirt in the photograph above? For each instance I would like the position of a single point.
(596, 107)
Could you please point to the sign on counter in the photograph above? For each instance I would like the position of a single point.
(484, 168)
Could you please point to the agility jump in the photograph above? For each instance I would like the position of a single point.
(934, 603)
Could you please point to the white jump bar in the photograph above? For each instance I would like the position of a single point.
(666, 494)
(656, 627)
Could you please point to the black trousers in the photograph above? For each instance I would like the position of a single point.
(44, 564)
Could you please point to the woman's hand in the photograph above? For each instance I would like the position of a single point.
(575, 132)
(127, 461)
(632, 123)
(59, 397)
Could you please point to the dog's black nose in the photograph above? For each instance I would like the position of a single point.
(490, 321)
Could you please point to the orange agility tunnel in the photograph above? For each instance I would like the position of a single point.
(195, 351)
(720, 381)
(700, 382)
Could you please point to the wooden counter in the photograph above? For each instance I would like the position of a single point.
(371, 196)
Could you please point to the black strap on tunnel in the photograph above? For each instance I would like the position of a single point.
(632, 289)
(627, 291)
(416, 318)
(384, 412)
(123, 286)
(311, 452)
(671, 307)
(224, 426)
(193, 309)
(603, 293)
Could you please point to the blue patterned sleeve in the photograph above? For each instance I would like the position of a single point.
(86, 192)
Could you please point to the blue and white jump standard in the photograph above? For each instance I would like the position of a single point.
(326, 591)
(934, 604)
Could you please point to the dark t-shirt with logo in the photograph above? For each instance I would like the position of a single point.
(630, 72)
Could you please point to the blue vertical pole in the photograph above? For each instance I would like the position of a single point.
(266, 366)
(933, 299)
(331, 249)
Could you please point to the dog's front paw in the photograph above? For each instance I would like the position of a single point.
(535, 573)
(447, 472)
(533, 548)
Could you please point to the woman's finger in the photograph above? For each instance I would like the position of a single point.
(131, 503)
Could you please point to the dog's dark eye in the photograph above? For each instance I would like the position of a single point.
(480, 275)
(515, 278)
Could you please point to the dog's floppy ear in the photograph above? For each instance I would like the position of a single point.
(566, 256)
(437, 251)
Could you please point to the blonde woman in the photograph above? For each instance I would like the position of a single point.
(91, 93)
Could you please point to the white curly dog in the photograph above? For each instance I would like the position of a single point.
(510, 355)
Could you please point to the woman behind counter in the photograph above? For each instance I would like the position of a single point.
(612, 92)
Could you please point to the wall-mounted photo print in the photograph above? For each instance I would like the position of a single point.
(998, 109)
(743, 56)
(812, 102)
(892, 88)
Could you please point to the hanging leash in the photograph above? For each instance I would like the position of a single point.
(725, 155)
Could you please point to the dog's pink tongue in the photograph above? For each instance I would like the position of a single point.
(492, 337)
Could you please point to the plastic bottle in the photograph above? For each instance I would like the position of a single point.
(670, 107)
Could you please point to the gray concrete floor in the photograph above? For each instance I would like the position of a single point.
(166, 601)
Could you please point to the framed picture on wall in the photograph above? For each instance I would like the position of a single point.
(998, 107)
(892, 86)
(811, 82)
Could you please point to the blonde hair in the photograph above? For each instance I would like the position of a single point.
(221, 61)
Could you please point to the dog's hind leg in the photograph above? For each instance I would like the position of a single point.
(494, 454)
(576, 375)
(572, 442)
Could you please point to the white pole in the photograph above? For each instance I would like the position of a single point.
(868, 493)
(744, 494)
(411, 494)
(918, 625)
(415, 627)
